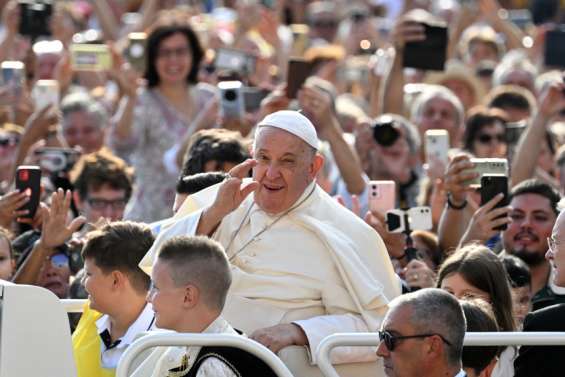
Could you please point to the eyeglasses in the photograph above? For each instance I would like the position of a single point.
(9, 141)
(59, 260)
(324, 24)
(486, 138)
(552, 244)
(391, 340)
(100, 204)
(166, 53)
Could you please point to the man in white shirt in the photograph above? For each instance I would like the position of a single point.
(303, 267)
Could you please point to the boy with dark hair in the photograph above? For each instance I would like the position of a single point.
(117, 288)
(102, 185)
(190, 280)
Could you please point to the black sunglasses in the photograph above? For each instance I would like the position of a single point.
(486, 138)
(391, 340)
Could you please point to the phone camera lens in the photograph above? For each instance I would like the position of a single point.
(230, 95)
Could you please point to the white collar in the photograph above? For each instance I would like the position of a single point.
(461, 374)
(144, 322)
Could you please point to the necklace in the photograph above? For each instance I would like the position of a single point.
(255, 237)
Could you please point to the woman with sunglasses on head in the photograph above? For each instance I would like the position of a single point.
(485, 133)
(156, 122)
(475, 271)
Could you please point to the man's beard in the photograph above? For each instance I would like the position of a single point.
(531, 258)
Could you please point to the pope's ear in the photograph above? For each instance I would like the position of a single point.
(317, 163)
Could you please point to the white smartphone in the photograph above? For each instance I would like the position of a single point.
(44, 93)
(382, 196)
(13, 76)
(437, 146)
(232, 104)
(490, 166)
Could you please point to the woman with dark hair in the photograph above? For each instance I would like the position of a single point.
(475, 271)
(156, 122)
(485, 133)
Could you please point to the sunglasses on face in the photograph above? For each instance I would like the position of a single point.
(59, 260)
(392, 340)
(9, 141)
(487, 139)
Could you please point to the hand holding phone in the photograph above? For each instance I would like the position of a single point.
(491, 186)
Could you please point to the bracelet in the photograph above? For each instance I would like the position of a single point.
(454, 206)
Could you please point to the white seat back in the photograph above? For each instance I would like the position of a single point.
(35, 338)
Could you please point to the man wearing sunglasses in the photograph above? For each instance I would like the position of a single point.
(422, 335)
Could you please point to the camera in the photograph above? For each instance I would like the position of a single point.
(403, 221)
(35, 18)
(384, 132)
(231, 99)
(57, 160)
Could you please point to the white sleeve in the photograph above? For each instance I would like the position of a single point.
(317, 328)
(213, 367)
(170, 160)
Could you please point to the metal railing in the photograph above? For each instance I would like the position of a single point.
(471, 339)
(73, 306)
(176, 339)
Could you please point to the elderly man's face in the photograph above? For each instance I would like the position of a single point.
(408, 357)
(556, 254)
(286, 166)
(79, 128)
(440, 114)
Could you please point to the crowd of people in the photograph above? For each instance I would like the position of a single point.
(211, 166)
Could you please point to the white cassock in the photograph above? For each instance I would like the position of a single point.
(319, 266)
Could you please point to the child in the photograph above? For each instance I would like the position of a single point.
(190, 281)
(116, 288)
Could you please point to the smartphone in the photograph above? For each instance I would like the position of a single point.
(429, 54)
(90, 57)
(437, 146)
(231, 99)
(135, 51)
(13, 76)
(487, 166)
(554, 48)
(382, 196)
(492, 185)
(298, 71)
(45, 93)
(35, 17)
(252, 98)
(234, 60)
(28, 179)
(419, 218)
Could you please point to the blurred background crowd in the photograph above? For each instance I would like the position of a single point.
(129, 103)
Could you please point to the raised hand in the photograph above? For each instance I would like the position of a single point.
(457, 174)
(57, 229)
(484, 221)
(9, 205)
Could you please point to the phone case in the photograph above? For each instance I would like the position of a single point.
(28, 178)
(437, 145)
(382, 196)
(298, 72)
(484, 166)
(492, 185)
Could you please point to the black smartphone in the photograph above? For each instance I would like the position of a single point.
(429, 54)
(492, 185)
(554, 48)
(35, 18)
(28, 179)
(298, 71)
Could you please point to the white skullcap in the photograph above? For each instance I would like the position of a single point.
(293, 122)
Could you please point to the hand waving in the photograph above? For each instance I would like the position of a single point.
(56, 229)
